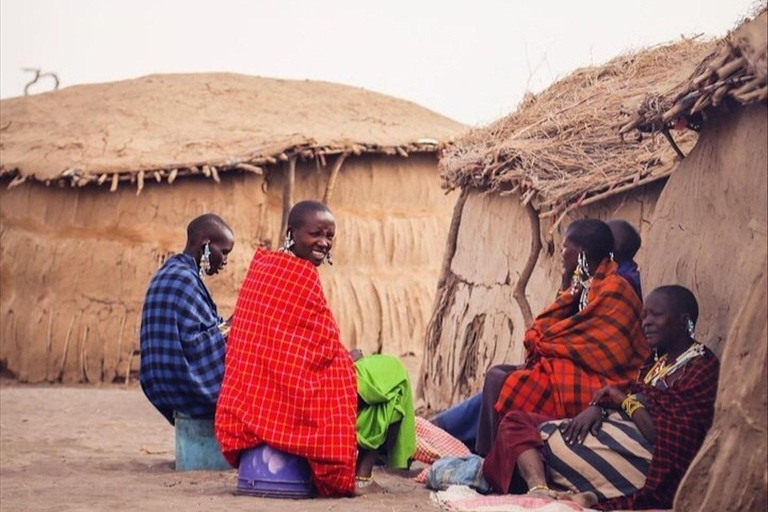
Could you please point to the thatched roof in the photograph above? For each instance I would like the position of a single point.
(561, 148)
(172, 125)
(735, 70)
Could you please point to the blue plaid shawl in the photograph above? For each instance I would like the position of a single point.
(182, 349)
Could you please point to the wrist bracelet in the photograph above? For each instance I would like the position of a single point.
(631, 404)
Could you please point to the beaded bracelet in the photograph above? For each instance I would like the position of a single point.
(631, 404)
(540, 487)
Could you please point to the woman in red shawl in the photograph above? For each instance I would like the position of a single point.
(654, 427)
(289, 382)
(588, 338)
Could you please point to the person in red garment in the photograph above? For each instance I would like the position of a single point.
(289, 382)
(628, 449)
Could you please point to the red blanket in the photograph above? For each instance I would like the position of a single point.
(573, 354)
(288, 380)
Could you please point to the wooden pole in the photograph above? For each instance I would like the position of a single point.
(334, 175)
(290, 180)
(533, 256)
(452, 239)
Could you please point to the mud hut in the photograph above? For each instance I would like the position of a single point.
(710, 233)
(557, 158)
(100, 181)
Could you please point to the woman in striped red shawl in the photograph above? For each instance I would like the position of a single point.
(666, 413)
(588, 338)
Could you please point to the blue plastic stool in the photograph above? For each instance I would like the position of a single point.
(270, 473)
(196, 445)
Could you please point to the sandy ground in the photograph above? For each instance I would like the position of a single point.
(106, 449)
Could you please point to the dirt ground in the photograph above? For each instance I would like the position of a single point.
(107, 449)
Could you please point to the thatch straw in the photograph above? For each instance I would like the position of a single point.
(169, 126)
(560, 147)
(735, 70)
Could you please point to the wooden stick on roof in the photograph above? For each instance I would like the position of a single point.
(672, 143)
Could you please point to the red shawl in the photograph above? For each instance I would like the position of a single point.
(288, 380)
(681, 416)
(573, 354)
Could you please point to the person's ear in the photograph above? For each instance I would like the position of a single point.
(685, 320)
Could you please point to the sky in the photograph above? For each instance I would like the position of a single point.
(470, 60)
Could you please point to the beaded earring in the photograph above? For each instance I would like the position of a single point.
(328, 258)
(205, 260)
(691, 329)
(288, 243)
(583, 266)
(581, 278)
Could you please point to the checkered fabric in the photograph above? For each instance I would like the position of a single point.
(572, 354)
(682, 415)
(182, 349)
(433, 443)
(289, 382)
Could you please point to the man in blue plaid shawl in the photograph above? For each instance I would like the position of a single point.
(183, 338)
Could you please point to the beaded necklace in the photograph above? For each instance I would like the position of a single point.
(660, 369)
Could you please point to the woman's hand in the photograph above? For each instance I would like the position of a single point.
(610, 396)
(590, 420)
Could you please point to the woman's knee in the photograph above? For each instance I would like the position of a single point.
(496, 377)
(516, 419)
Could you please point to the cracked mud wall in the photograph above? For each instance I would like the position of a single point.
(709, 231)
(476, 323)
(75, 262)
(731, 470)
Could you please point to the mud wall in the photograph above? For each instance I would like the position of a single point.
(75, 262)
(709, 230)
(476, 323)
(731, 470)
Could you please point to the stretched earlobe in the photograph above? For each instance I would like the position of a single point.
(288, 242)
(205, 260)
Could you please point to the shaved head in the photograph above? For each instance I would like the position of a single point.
(681, 299)
(626, 239)
(206, 227)
(210, 234)
(298, 214)
(593, 236)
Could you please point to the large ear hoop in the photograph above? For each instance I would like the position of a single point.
(288, 242)
(205, 260)
(690, 327)
(583, 265)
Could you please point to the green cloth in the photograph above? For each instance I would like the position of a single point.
(383, 384)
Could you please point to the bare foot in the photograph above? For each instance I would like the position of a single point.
(585, 499)
(370, 487)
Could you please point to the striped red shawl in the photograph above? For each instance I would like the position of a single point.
(288, 380)
(573, 354)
